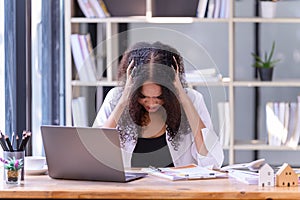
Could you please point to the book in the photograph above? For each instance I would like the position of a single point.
(97, 9)
(281, 115)
(210, 8)
(221, 117)
(88, 58)
(79, 112)
(104, 8)
(217, 8)
(273, 123)
(78, 58)
(286, 122)
(202, 5)
(281, 121)
(294, 139)
(224, 9)
(92, 56)
(84, 57)
(292, 122)
(224, 123)
(188, 172)
(86, 8)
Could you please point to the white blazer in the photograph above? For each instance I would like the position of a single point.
(186, 152)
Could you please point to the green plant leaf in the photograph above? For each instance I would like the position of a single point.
(267, 62)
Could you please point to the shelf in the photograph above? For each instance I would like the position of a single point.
(261, 145)
(109, 19)
(220, 84)
(266, 20)
(98, 83)
(144, 19)
(115, 83)
(281, 83)
(264, 147)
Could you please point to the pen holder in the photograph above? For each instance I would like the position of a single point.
(13, 166)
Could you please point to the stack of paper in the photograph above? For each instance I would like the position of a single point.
(244, 176)
(188, 172)
(203, 75)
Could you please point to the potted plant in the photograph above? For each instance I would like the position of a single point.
(266, 64)
(268, 8)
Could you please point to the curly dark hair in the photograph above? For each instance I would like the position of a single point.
(141, 52)
(155, 63)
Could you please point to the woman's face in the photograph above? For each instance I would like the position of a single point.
(150, 97)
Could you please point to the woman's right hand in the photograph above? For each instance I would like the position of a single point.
(115, 115)
(128, 84)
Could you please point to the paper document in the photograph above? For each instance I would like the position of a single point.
(248, 177)
(184, 173)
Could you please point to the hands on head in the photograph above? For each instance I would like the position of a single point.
(144, 53)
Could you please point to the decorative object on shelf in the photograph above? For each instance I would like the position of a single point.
(13, 165)
(268, 8)
(266, 64)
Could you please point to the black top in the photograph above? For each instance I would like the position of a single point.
(152, 152)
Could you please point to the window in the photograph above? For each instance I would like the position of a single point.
(31, 70)
(47, 68)
(2, 64)
(36, 75)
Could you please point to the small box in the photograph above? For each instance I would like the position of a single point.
(174, 8)
(122, 8)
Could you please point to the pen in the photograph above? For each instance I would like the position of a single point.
(155, 169)
(198, 175)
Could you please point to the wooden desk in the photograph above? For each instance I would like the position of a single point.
(146, 188)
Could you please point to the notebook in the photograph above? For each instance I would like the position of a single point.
(85, 153)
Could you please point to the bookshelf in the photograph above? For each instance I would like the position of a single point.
(232, 84)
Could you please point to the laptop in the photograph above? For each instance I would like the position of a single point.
(85, 153)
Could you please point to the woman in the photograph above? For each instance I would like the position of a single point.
(161, 122)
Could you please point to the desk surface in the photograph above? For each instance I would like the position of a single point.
(145, 188)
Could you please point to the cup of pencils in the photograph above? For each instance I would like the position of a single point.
(13, 156)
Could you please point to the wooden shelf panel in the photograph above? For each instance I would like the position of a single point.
(279, 83)
(144, 19)
(264, 147)
(98, 83)
(265, 20)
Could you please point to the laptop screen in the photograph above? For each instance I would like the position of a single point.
(83, 153)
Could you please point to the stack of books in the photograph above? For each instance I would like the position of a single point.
(283, 123)
(203, 75)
